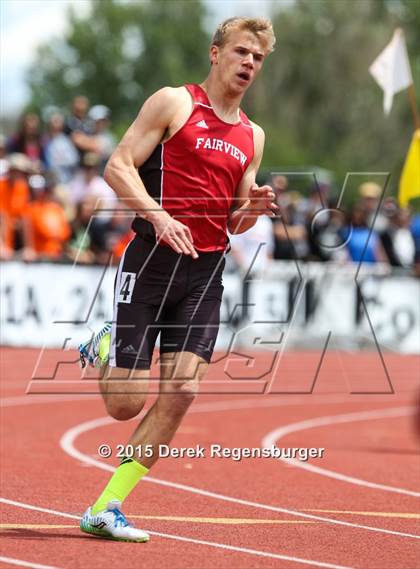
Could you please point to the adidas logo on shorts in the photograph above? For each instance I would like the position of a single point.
(129, 350)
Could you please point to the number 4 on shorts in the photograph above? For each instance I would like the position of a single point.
(126, 287)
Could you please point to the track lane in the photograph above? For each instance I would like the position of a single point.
(73, 479)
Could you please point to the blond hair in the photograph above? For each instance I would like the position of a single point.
(262, 28)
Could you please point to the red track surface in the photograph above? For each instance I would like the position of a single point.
(257, 512)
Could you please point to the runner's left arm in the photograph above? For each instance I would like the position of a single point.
(251, 201)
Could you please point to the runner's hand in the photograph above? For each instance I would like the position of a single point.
(262, 200)
(175, 234)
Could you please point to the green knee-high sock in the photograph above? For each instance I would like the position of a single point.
(124, 479)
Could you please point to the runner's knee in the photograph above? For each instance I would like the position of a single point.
(123, 410)
(178, 396)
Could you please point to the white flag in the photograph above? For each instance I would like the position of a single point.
(391, 69)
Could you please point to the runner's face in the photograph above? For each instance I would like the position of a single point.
(239, 60)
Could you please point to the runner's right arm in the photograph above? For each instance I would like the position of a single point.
(138, 143)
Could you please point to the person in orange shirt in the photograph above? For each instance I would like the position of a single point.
(14, 199)
(46, 225)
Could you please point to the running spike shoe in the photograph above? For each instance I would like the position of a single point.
(111, 524)
(95, 352)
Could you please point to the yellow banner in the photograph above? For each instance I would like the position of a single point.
(410, 177)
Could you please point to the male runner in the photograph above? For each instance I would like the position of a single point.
(187, 167)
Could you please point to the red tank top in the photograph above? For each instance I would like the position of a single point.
(194, 175)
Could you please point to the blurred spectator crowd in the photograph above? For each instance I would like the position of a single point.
(312, 228)
(54, 202)
(55, 205)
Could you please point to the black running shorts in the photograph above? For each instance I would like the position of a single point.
(160, 291)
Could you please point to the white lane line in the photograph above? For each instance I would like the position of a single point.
(218, 545)
(22, 563)
(67, 444)
(38, 509)
(310, 562)
(274, 436)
